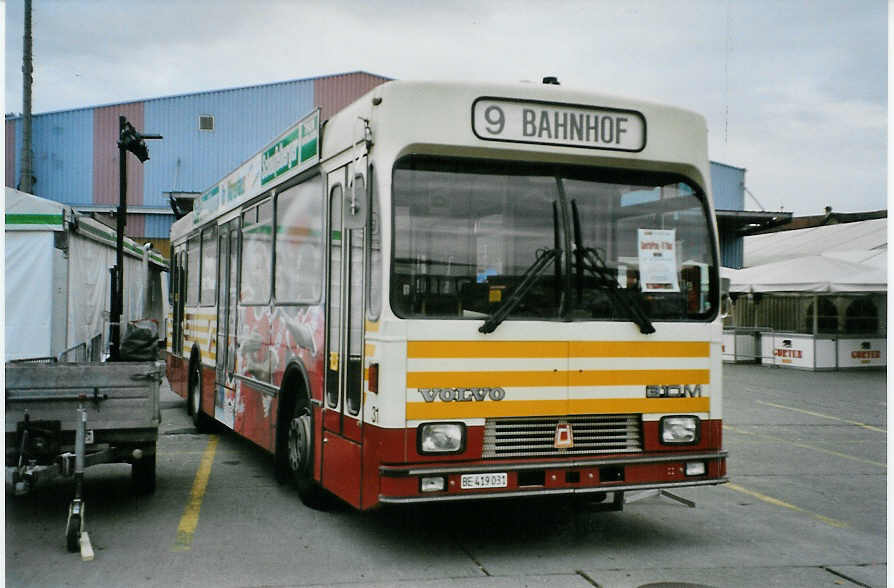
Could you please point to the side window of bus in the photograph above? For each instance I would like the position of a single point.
(374, 257)
(193, 256)
(257, 254)
(209, 266)
(299, 243)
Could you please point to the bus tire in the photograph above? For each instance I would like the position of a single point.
(299, 458)
(194, 403)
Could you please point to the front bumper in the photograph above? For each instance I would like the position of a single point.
(401, 484)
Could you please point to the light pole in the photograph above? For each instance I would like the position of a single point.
(129, 139)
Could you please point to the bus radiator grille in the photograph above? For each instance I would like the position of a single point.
(535, 436)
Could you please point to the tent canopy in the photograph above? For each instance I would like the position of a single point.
(845, 257)
(867, 236)
(810, 273)
(26, 212)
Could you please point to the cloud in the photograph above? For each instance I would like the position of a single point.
(794, 91)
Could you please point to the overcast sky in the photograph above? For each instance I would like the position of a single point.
(794, 91)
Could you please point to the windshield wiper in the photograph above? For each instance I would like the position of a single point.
(593, 263)
(587, 258)
(544, 257)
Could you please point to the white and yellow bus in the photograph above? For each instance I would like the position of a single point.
(456, 291)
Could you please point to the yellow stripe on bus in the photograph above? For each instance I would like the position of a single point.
(506, 408)
(509, 379)
(640, 349)
(473, 349)
(200, 317)
(521, 349)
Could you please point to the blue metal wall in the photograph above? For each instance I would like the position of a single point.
(62, 143)
(245, 120)
(17, 155)
(732, 251)
(728, 186)
(158, 226)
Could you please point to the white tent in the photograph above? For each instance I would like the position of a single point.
(874, 279)
(867, 236)
(57, 277)
(873, 257)
(811, 273)
(845, 257)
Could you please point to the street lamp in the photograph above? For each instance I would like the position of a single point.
(129, 139)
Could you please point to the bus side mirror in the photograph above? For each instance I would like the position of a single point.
(356, 204)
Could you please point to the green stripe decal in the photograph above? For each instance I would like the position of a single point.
(34, 219)
(309, 149)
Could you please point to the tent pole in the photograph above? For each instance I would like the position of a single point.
(815, 315)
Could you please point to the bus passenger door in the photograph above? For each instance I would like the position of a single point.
(342, 414)
(179, 300)
(227, 251)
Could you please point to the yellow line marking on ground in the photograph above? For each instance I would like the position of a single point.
(190, 519)
(166, 453)
(805, 446)
(824, 416)
(775, 501)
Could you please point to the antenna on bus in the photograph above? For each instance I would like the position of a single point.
(551, 80)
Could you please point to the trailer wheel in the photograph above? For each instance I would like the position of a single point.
(199, 419)
(300, 457)
(142, 474)
(73, 533)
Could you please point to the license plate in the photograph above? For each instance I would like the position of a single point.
(473, 481)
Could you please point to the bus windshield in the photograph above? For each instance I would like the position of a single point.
(478, 240)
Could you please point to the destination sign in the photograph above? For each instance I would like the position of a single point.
(558, 124)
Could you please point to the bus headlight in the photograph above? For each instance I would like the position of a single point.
(680, 430)
(441, 438)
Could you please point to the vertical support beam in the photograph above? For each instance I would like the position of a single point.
(815, 315)
(118, 284)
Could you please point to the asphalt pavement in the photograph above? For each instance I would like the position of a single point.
(805, 506)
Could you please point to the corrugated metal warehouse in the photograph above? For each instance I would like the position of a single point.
(206, 135)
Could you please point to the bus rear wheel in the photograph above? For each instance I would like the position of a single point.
(299, 454)
(199, 419)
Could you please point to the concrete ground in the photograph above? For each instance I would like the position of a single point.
(806, 506)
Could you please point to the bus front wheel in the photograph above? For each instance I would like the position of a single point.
(300, 457)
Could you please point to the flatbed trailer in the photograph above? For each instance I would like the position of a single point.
(62, 418)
